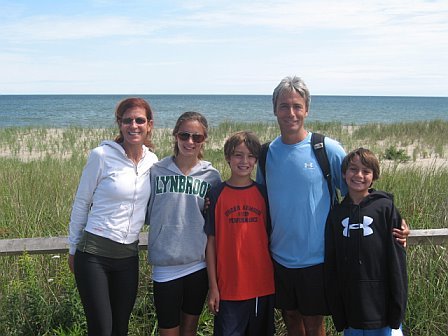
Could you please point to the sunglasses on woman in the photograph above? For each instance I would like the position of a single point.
(138, 121)
(184, 136)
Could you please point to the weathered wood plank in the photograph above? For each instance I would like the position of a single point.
(425, 237)
(52, 245)
(47, 245)
(33, 245)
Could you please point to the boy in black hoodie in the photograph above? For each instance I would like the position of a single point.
(366, 279)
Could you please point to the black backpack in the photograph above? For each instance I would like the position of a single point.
(318, 145)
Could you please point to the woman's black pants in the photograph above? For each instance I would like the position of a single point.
(108, 289)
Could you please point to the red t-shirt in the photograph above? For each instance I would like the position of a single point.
(238, 219)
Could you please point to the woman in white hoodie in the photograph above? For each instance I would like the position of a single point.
(176, 245)
(108, 213)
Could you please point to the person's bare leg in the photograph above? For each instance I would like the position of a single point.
(189, 324)
(169, 332)
(293, 322)
(314, 325)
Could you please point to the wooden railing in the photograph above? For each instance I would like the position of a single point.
(53, 245)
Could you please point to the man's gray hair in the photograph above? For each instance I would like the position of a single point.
(291, 84)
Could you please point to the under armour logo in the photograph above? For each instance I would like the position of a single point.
(309, 165)
(365, 226)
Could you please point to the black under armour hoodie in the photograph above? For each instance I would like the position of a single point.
(366, 278)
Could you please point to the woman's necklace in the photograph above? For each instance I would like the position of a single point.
(134, 156)
(184, 165)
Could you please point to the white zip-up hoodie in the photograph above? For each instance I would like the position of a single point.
(112, 195)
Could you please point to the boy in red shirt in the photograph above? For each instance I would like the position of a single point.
(239, 266)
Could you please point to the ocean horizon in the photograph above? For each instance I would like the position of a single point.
(93, 110)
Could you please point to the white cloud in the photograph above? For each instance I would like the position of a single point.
(362, 44)
(66, 28)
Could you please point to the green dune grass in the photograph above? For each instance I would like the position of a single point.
(40, 170)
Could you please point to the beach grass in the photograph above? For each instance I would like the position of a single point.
(39, 174)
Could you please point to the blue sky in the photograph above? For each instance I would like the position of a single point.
(346, 47)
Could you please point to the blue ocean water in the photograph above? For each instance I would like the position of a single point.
(98, 110)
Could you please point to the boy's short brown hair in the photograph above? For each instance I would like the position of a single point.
(367, 158)
(248, 138)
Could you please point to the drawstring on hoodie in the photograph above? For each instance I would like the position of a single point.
(256, 306)
(359, 235)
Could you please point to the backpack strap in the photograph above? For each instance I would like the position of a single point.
(318, 146)
(261, 165)
(262, 159)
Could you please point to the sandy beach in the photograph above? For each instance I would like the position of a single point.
(36, 144)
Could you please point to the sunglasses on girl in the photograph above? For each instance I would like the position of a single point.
(138, 121)
(184, 136)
